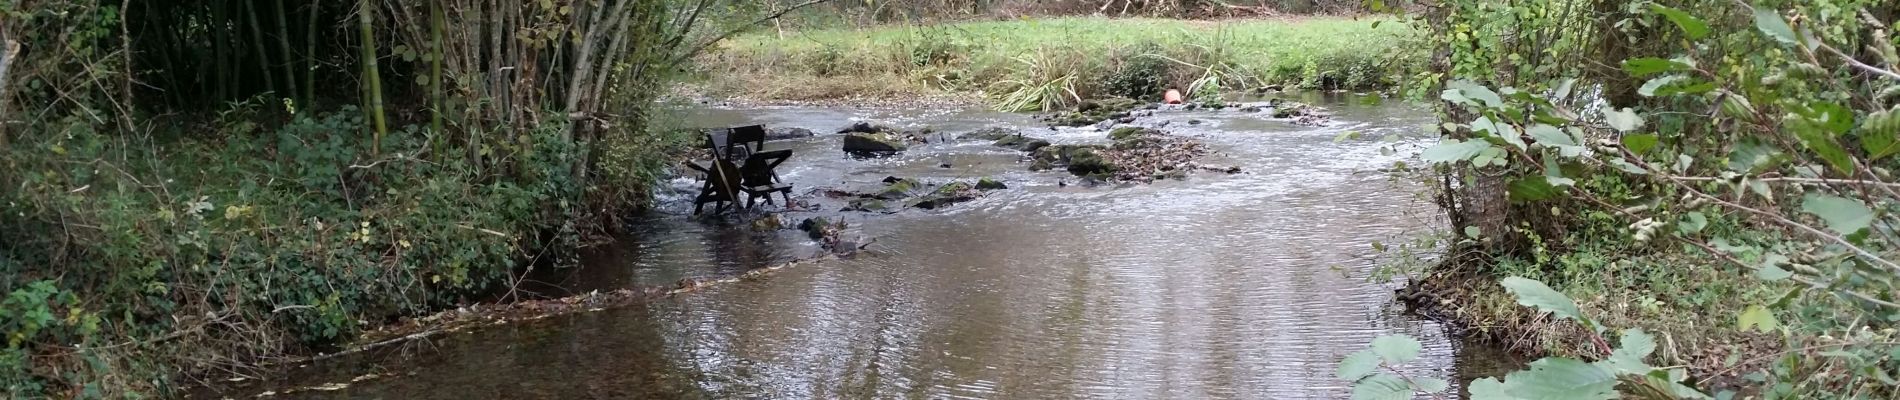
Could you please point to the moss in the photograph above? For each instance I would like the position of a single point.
(1124, 133)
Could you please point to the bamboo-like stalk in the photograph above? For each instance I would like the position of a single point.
(221, 45)
(310, 55)
(283, 43)
(371, 75)
(257, 44)
(435, 75)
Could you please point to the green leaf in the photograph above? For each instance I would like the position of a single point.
(1639, 143)
(1649, 88)
(1877, 133)
(1453, 150)
(1625, 166)
(1431, 385)
(1632, 347)
(1550, 136)
(1623, 119)
(1758, 318)
(1381, 387)
(1692, 222)
(1556, 378)
(1823, 144)
(1473, 232)
(1475, 91)
(1694, 27)
(1532, 188)
(1488, 389)
(1751, 155)
(1771, 23)
(1844, 216)
(1641, 67)
(1396, 349)
(1534, 294)
(1357, 365)
(1771, 273)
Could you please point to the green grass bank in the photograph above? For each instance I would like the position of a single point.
(1036, 64)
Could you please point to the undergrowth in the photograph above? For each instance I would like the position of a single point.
(1036, 64)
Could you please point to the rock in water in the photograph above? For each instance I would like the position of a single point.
(992, 133)
(950, 193)
(989, 184)
(1021, 143)
(788, 133)
(873, 144)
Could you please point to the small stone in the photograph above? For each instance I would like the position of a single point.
(989, 184)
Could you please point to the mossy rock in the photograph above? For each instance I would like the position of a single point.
(1126, 132)
(992, 133)
(990, 184)
(1080, 160)
(1087, 162)
(899, 189)
(949, 193)
(815, 227)
(1021, 143)
(873, 144)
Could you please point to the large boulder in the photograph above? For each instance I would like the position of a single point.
(1021, 143)
(873, 144)
(867, 127)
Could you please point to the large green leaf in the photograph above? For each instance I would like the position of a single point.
(1555, 378)
(1843, 215)
(1646, 66)
(1757, 317)
(1696, 28)
(1623, 119)
(1633, 345)
(1639, 143)
(1382, 387)
(1357, 365)
(1823, 144)
(1396, 349)
(1771, 23)
(1649, 88)
(1692, 222)
(1454, 150)
(1478, 92)
(1877, 133)
(1431, 385)
(1534, 294)
(1751, 155)
(1533, 188)
(1488, 389)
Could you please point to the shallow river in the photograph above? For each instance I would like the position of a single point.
(1248, 285)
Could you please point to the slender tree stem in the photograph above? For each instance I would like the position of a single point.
(283, 43)
(371, 74)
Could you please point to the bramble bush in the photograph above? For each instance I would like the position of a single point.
(1747, 147)
(289, 236)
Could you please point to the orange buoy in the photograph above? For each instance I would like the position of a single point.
(1173, 97)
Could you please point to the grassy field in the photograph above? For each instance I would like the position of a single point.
(1033, 64)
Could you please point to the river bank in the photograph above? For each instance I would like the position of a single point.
(1041, 64)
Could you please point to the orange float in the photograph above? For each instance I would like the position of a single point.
(1172, 97)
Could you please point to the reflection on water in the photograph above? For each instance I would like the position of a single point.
(1221, 286)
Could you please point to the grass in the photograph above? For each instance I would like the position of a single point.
(1044, 63)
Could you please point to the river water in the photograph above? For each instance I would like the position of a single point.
(1248, 286)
